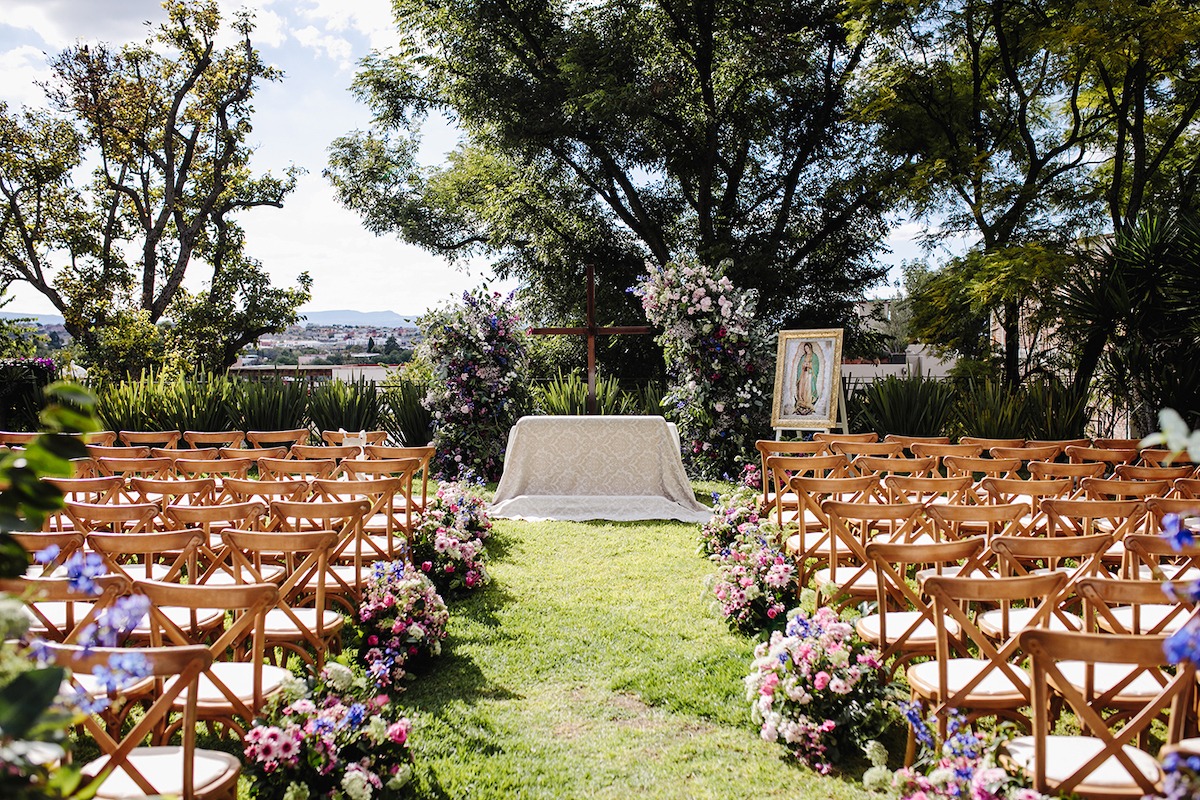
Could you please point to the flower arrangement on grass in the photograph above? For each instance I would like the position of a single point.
(817, 688)
(448, 541)
(329, 738)
(716, 352)
(755, 582)
(478, 353)
(965, 765)
(733, 514)
(402, 623)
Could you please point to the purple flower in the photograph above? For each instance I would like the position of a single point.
(1176, 533)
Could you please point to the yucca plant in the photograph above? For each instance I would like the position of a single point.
(352, 406)
(271, 405)
(991, 409)
(406, 418)
(568, 395)
(202, 402)
(650, 398)
(912, 406)
(1054, 410)
(135, 404)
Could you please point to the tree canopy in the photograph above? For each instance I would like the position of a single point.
(623, 133)
(163, 126)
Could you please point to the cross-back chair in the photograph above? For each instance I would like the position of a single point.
(253, 453)
(781, 469)
(928, 491)
(167, 439)
(113, 517)
(424, 454)
(849, 578)
(281, 468)
(168, 556)
(387, 531)
(988, 442)
(214, 439)
(351, 555)
(923, 449)
(980, 468)
(278, 438)
(1030, 492)
(99, 451)
(192, 492)
(812, 540)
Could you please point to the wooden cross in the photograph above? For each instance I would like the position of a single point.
(591, 330)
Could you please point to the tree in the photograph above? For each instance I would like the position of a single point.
(166, 124)
(618, 133)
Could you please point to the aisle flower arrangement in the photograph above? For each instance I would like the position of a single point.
(478, 352)
(734, 513)
(755, 582)
(449, 539)
(401, 621)
(717, 355)
(329, 738)
(965, 765)
(817, 688)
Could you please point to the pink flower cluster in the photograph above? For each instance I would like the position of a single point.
(448, 542)
(733, 514)
(813, 684)
(755, 582)
(401, 619)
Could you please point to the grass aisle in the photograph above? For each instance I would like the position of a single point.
(591, 667)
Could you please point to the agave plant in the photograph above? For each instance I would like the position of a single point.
(406, 418)
(202, 402)
(565, 396)
(991, 409)
(1054, 410)
(351, 406)
(271, 405)
(913, 406)
(135, 404)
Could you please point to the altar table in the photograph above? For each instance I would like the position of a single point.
(606, 467)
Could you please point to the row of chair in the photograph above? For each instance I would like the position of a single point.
(211, 439)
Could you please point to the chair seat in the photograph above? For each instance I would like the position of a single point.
(1149, 616)
(239, 677)
(793, 546)
(345, 572)
(206, 619)
(279, 624)
(221, 577)
(891, 538)
(996, 686)
(924, 636)
(56, 614)
(1106, 676)
(1144, 573)
(846, 579)
(990, 622)
(213, 773)
(1066, 754)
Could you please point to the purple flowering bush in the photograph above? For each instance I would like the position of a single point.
(817, 688)
(478, 351)
(448, 541)
(329, 738)
(717, 355)
(401, 621)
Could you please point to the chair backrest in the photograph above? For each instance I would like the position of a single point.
(19, 438)
(381, 467)
(278, 468)
(1022, 555)
(240, 490)
(1015, 490)
(425, 455)
(58, 611)
(193, 453)
(852, 526)
(988, 443)
(1104, 455)
(928, 490)
(217, 439)
(1117, 488)
(166, 556)
(1131, 472)
(985, 467)
(1145, 655)
(829, 438)
(1066, 517)
(33, 542)
(950, 521)
(383, 517)
(1188, 487)
(895, 465)
(921, 449)
(114, 517)
(1061, 444)
(98, 451)
(103, 489)
(853, 449)
(325, 451)
(232, 467)
(1148, 556)
(253, 453)
(1026, 453)
(1131, 607)
(168, 439)
(1051, 470)
(909, 441)
(129, 467)
(278, 438)
(338, 438)
(194, 491)
(212, 519)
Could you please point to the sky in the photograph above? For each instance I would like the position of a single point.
(317, 44)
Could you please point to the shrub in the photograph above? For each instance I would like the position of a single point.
(402, 622)
(353, 406)
(135, 404)
(203, 402)
(991, 409)
(913, 406)
(22, 391)
(564, 396)
(404, 415)
(271, 405)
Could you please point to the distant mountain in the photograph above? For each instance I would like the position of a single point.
(377, 319)
(42, 319)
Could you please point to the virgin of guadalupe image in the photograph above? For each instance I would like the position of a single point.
(808, 373)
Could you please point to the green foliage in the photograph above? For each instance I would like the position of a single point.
(200, 402)
(1054, 410)
(353, 406)
(166, 125)
(569, 396)
(136, 404)
(991, 409)
(600, 134)
(271, 405)
(406, 418)
(912, 406)
(22, 391)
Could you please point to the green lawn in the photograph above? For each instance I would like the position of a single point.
(592, 667)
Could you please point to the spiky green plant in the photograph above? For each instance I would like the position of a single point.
(568, 395)
(201, 402)
(271, 405)
(991, 409)
(912, 406)
(135, 404)
(650, 398)
(406, 418)
(352, 406)
(1054, 410)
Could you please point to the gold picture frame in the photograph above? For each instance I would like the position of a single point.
(808, 378)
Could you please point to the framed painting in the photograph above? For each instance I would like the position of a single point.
(808, 374)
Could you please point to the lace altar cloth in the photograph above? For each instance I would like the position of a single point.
(606, 467)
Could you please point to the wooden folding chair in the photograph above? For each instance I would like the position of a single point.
(350, 556)
(903, 626)
(215, 439)
(987, 679)
(218, 469)
(1031, 493)
(161, 468)
(780, 471)
(194, 454)
(884, 466)
(852, 450)
(168, 556)
(949, 522)
(979, 468)
(831, 437)
(1133, 607)
(1123, 489)
(1117, 444)
(281, 468)
(1131, 472)
(278, 438)
(211, 520)
(58, 612)
(909, 441)
(166, 439)
(924, 450)
(766, 448)
(423, 454)
(241, 490)
(34, 542)
(98, 451)
(325, 451)
(1061, 444)
(253, 453)
(301, 623)
(358, 439)
(1110, 457)
(1188, 487)
(1080, 517)
(812, 540)
(112, 517)
(130, 769)
(1027, 453)
(928, 491)
(1099, 763)
(193, 492)
(387, 533)
(988, 443)
(849, 578)
(94, 490)
(1150, 557)
(233, 689)
(17, 438)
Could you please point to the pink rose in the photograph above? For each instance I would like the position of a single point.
(426, 565)
(821, 680)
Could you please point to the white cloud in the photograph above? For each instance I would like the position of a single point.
(333, 47)
(61, 22)
(270, 29)
(372, 19)
(22, 68)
